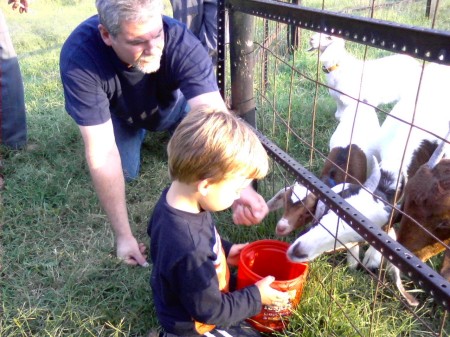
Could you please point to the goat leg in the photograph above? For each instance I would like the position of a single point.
(395, 274)
(353, 257)
(445, 270)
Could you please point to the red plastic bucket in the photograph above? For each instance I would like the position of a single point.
(268, 257)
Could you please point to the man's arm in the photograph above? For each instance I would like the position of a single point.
(105, 166)
(250, 208)
(212, 99)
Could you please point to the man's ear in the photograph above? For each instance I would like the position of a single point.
(203, 187)
(106, 37)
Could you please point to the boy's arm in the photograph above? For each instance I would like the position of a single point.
(201, 296)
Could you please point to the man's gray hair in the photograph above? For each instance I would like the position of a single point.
(113, 12)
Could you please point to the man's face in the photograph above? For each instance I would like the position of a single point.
(138, 44)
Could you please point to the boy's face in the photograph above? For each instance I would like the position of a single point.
(221, 195)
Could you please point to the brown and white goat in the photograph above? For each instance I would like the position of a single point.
(351, 144)
(299, 203)
(427, 208)
(330, 232)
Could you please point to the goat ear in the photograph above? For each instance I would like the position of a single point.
(321, 209)
(277, 200)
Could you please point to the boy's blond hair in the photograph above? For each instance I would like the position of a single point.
(215, 144)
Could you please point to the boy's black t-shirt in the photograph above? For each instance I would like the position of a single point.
(184, 277)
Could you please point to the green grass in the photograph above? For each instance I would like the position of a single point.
(59, 274)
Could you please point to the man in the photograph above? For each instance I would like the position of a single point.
(13, 126)
(200, 16)
(127, 70)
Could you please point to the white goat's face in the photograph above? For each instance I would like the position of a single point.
(321, 239)
(322, 41)
(333, 233)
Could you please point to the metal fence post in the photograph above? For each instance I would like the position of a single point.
(241, 65)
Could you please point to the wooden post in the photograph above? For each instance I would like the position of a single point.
(431, 8)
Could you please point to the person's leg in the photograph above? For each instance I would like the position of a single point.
(129, 141)
(174, 114)
(241, 329)
(13, 127)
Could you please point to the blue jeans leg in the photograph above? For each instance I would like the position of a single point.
(129, 141)
(173, 114)
(13, 125)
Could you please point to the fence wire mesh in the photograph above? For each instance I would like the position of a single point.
(295, 118)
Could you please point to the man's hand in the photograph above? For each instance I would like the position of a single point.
(250, 209)
(130, 252)
(21, 4)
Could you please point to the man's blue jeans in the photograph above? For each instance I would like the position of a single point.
(129, 139)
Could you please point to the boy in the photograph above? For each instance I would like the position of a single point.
(213, 156)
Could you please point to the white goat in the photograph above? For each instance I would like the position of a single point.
(429, 112)
(332, 233)
(377, 81)
(358, 125)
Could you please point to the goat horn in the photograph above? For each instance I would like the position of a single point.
(440, 151)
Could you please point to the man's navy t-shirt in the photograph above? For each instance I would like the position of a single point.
(97, 83)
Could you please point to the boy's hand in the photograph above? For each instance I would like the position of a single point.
(270, 296)
(250, 209)
(235, 253)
